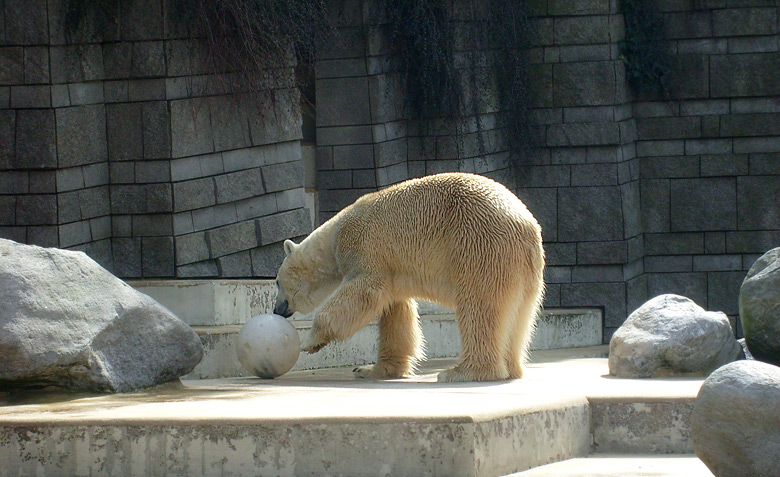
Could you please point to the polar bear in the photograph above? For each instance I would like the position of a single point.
(462, 240)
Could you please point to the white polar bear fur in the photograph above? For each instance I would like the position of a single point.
(461, 240)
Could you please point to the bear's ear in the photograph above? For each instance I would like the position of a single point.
(289, 247)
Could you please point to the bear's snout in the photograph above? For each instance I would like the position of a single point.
(282, 309)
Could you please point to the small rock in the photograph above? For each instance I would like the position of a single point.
(671, 333)
(735, 426)
(759, 307)
(66, 321)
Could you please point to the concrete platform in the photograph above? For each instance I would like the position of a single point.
(615, 465)
(324, 422)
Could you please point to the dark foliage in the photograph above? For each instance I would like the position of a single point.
(643, 50)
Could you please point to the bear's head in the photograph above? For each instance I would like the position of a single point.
(304, 280)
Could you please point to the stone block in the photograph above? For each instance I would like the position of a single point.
(655, 205)
(673, 243)
(703, 204)
(212, 217)
(285, 225)
(754, 105)
(85, 93)
(690, 77)
(578, 7)
(594, 175)
(94, 202)
(117, 60)
(205, 269)
(157, 257)
(191, 248)
(17, 234)
(611, 296)
(76, 63)
(745, 75)
(341, 68)
(291, 199)
(394, 174)
(668, 263)
(725, 165)
(147, 59)
(601, 253)
(390, 152)
(194, 194)
(37, 209)
(717, 263)
(668, 128)
(329, 136)
(190, 128)
(688, 24)
(156, 130)
(543, 203)
(152, 171)
(284, 176)
(11, 65)
(115, 91)
(583, 134)
(560, 254)
(15, 182)
(43, 182)
(348, 102)
(544, 176)
(757, 144)
(597, 273)
(364, 178)
(589, 214)
(691, 285)
(7, 139)
(142, 20)
(38, 96)
(723, 291)
(122, 225)
(122, 172)
(75, 233)
(36, 146)
(744, 21)
(43, 236)
(541, 85)
(151, 225)
(660, 148)
(68, 207)
(100, 228)
(758, 202)
(7, 210)
(750, 125)
(126, 254)
(755, 242)
(81, 135)
(231, 239)
(146, 89)
(341, 179)
(557, 274)
(753, 44)
(239, 185)
(267, 260)
(70, 179)
(257, 206)
(584, 84)
(715, 242)
(631, 204)
(669, 167)
(581, 30)
(229, 124)
(577, 53)
(182, 223)
(26, 22)
(236, 265)
(353, 157)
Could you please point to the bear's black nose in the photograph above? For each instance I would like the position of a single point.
(282, 309)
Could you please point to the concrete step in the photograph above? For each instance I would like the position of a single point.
(325, 422)
(555, 329)
(612, 465)
(216, 309)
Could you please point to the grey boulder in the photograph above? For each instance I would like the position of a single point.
(671, 334)
(68, 322)
(735, 425)
(759, 307)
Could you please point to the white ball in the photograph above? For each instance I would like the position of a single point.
(268, 346)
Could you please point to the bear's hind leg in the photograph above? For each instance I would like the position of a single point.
(520, 337)
(483, 330)
(400, 343)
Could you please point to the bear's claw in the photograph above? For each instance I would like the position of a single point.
(313, 348)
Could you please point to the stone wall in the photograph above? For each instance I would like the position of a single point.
(118, 142)
(637, 195)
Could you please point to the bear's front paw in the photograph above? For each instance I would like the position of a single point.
(312, 348)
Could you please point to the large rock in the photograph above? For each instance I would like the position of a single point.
(66, 321)
(671, 333)
(735, 426)
(759, 307)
